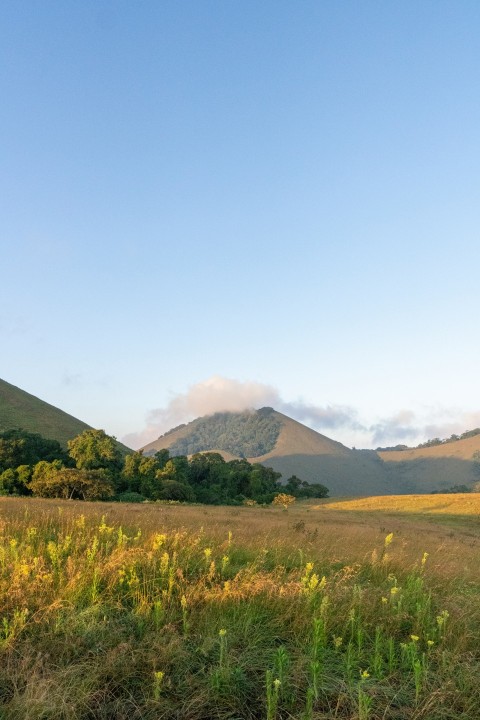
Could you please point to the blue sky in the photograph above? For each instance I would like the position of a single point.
(211, 204)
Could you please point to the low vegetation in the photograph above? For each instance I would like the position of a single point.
(143, 612)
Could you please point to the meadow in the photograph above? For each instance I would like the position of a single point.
(365, 609)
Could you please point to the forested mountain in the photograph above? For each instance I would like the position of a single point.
(244, 435)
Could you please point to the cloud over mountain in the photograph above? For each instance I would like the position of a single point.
(220, 394)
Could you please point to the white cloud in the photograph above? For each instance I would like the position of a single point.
(409, 428)
(220, 394)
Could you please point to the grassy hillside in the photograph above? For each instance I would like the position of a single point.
(19, 409)
(436, 467)
(314, 457)
(458, 449)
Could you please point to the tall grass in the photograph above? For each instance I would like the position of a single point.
(179, 613)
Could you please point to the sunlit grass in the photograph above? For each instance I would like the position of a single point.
(451, 504)
(112, 611)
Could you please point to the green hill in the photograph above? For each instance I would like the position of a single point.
(19, 409)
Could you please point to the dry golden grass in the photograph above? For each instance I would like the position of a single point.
(364, 609)
(298, 439)
(343, 531)
(449, 504)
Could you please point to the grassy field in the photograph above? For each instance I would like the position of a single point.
(365, 609)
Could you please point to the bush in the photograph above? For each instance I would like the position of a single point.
(130, 497)
(173, 490)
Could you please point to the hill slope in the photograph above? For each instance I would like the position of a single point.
(19, 409)
(435, 467)
(285, 445)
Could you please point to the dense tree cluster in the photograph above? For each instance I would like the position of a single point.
(18, 447)
(95, 469)
(247, 434)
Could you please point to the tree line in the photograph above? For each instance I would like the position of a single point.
(94, 468)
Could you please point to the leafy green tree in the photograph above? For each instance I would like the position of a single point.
(301, 489)
(313, 490)
(173, 490)
(95, 450)
(239, 474)
(15, 481)
(293, 485)
(8, 482)
(177, 468)
(19, 447)
(54, 480)
(174, 471)
(130, 480)
(206, 468)
(162, 457)
(263, 484)
(138, 474)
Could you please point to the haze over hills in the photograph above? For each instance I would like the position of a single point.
(294, 449)
(19, 409)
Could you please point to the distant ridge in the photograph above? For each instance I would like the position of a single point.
(462, 449)
(435, 467)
